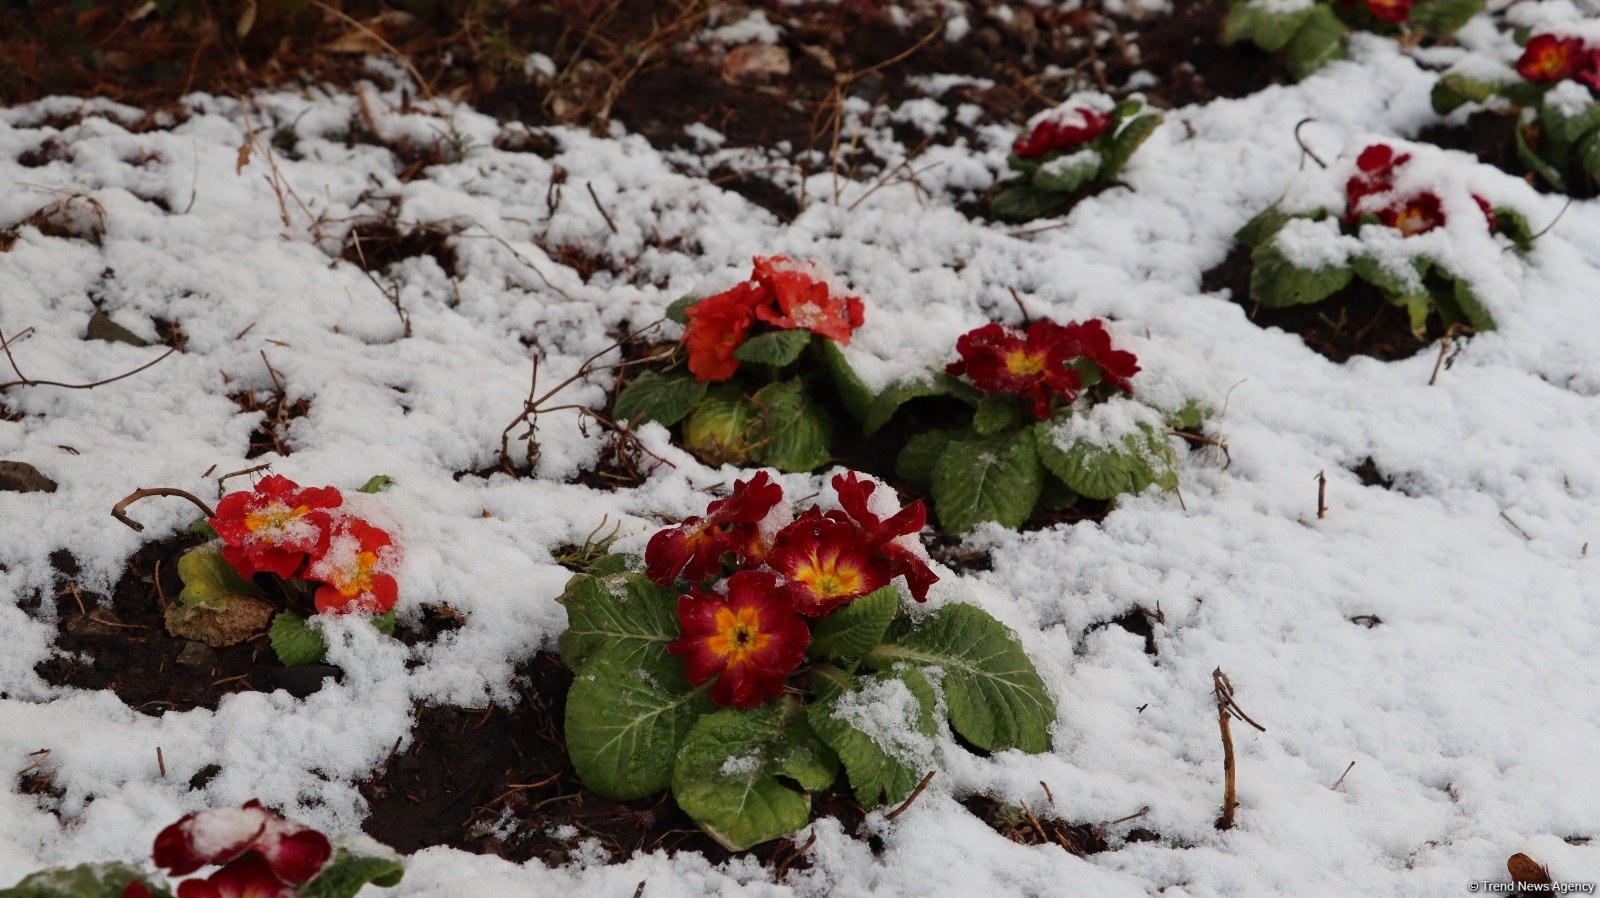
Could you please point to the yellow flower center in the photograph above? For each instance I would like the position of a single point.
(1414, 220)
(828, 579)
(1025, 364)
(270, 522)
(356, 578)
(738, 635)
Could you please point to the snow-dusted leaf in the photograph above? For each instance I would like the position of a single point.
(1263, 227)
(294, 642)
(1275, 281)
(230, 621)
(799, 433)
(348, 872)
(980, 479)
(1064, 174)
(1266, 28)
(774, 347)
(208, 579)
(897, 394)
(627, 713)
(625, 611)
(1566, 130)
(377, 483)
(920, 453)
(996, 698)
(1454, 90)
(1101, 470)
(1318, 41)
(995, 413)
(1514, 224)
(855, 628)
(853, 391)
(1121, 146)
(883, 732)
(1442, 17)
(99, 880)
(666, 398)
(1024, 202)
(1541, 166)
(737, 769)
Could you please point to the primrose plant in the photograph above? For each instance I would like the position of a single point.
(282, 553)
(754, 354)
(1048, 417)
(250, 851)
(1078, 147)
(1554, 90)
(1413, 223)
(1311, 33)
(759, 651)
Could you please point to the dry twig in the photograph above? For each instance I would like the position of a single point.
(1227, 709)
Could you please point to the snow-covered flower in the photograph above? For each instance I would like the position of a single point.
(806, 299)
(693, 550)
(749, 640)
(1060, 129)
(275, 526)
(356, 569)
(262, 855)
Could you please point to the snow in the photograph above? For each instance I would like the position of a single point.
(1469, 710)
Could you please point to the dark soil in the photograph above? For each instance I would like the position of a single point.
(278, 413)
(1031, 826)
(1492, 137)
(377, 245)
(497, 781)
(1372, 475)
(1355, 321)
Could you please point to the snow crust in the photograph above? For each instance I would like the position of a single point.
(1469, 710)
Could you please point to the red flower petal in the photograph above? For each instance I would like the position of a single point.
(1062, 131)
(692, 550)
(208, 837)
(1416, 215)
(717, 327)
(1392, 11)
(750, 640)
(294, 853)
(825, 563)
(1117, 366)
(805, 299)
(356, 566)
(249, 877)
(272, 527)
(135, 889)
(1032, 366)
(1547, 58)
(881, 534)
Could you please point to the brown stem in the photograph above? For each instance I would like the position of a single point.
(24, 380)
(1322, 495)
(119, 511)
(1230, 793)
(912, 797)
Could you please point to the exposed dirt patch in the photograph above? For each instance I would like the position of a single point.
(1355, 321)
(1039, 826)
(498, 781)
(1372, 475)
(278, 414)
(379, 244)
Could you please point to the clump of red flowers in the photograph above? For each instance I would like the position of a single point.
(258, 853)
(751, 631)
(1061, 129)
(311, 534)
(1393, 12)
(1047, 365)
(1550, 58)
(1372, 191)
(782, 293)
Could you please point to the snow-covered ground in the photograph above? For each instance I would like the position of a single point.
(1470, 711)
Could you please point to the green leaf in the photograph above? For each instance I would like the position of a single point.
(774, 347)
(384, 623)
(1265, 28)
(734, 773)
(1567, 130)
(346, 873)
(902, 392)
(377, 483)
(1588, 151)
(294, 642)
(1373, 271)
(665, 398)
(858, 626)
(995, 696)
(980, 479)
(626, 612)
(626, 717)
(1102, 472)
(1121, 146)
(679, 310)
(1319, 40)
(1024, 202)
(883, 733)
(920, 453)
(1021, 165)
(202, 527)
(724, 427)
(1275, 281)
(1443, 17)
(799, 432)
(1515, 225)
(1067, 173)
(1190, 416)
(1538, 164)
(1263, 227)
(996, 412)
(98, 880)
(853, 391)
(1454, 90)
(1456, 303)
(208, 579)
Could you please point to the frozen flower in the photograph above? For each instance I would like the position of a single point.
(1117, 366)
(1034, 365)
(356, 569)
(1375, 174)
(1392, 11)
(825, 563)
(1415, 215)
(273, 527)
(750, 639)
(806, 299)
(883, 535)
(249, 877)
(265, 849)
(693, 550)
(1062, 131)
(717, 326)
(1548, 58)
